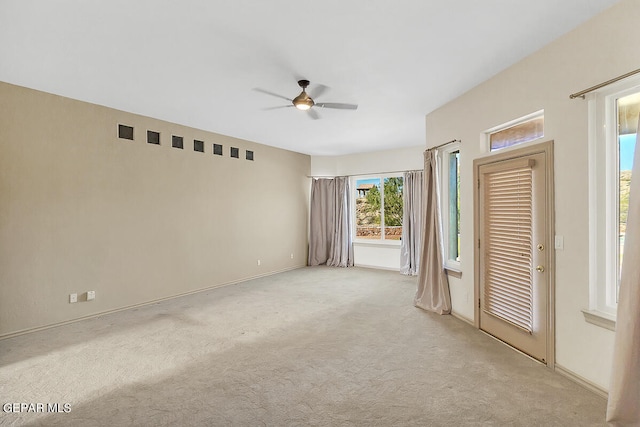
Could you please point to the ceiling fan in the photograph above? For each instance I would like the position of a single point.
(305, 102)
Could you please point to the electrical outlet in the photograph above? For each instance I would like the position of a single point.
(73, 298)
(258, 262)
(91, 295)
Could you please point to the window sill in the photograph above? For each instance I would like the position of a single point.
(453, 272)
(378, 243)
(601, 319)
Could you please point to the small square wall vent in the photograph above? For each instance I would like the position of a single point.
(198, 145)
(153, 137)
(176, 141)
(217, 149)
(125, 132)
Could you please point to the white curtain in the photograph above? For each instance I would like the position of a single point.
(412, 219)
(341, 249)
(623, 408)
(330, 232)
(433, 285)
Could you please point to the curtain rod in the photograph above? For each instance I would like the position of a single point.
(582, 93)
(443, 144)
(363, 174)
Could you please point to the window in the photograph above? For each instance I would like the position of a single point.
(613, 120)
(177, 141)
(378, 208)
(125, 132)
(628, 109)
(217, 149)
(198, 146)
(234, 152)
(249, 155)
(516, 132)
(450, 203)
(153, 137)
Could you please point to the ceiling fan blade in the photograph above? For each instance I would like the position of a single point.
(318, 90)
(337, 105)
(277, 108)
(313, 114)
(257, 89)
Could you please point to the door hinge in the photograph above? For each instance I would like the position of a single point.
(478, 302)
(478, 243)
(478, 183)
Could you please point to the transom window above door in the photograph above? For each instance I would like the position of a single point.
(515, 132)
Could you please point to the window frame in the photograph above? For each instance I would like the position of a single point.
(354, 225)
(603, 201)
(444, 153)
(512, 124)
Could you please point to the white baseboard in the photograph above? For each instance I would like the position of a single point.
(376, 267)
(582, 381)
(464, 319)
(129, 307)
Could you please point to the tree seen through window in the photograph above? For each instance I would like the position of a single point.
(379, 213)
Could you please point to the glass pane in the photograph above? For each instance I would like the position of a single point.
(454, 206)
(393, 208)
(518, 134)
(368, 208)
(628, 110)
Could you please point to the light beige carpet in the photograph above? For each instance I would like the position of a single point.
(315, 346)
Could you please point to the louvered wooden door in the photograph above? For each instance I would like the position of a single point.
(513, 253)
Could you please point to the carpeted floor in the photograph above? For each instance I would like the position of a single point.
(310, 347)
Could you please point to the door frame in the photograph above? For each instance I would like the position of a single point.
(545, 148)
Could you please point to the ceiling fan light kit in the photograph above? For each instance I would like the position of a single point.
(303, 101)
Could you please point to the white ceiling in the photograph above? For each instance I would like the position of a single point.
(196, 62)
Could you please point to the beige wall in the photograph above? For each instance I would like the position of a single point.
(399, 159)
(83, 210)
(594, 52)
(385, 256)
